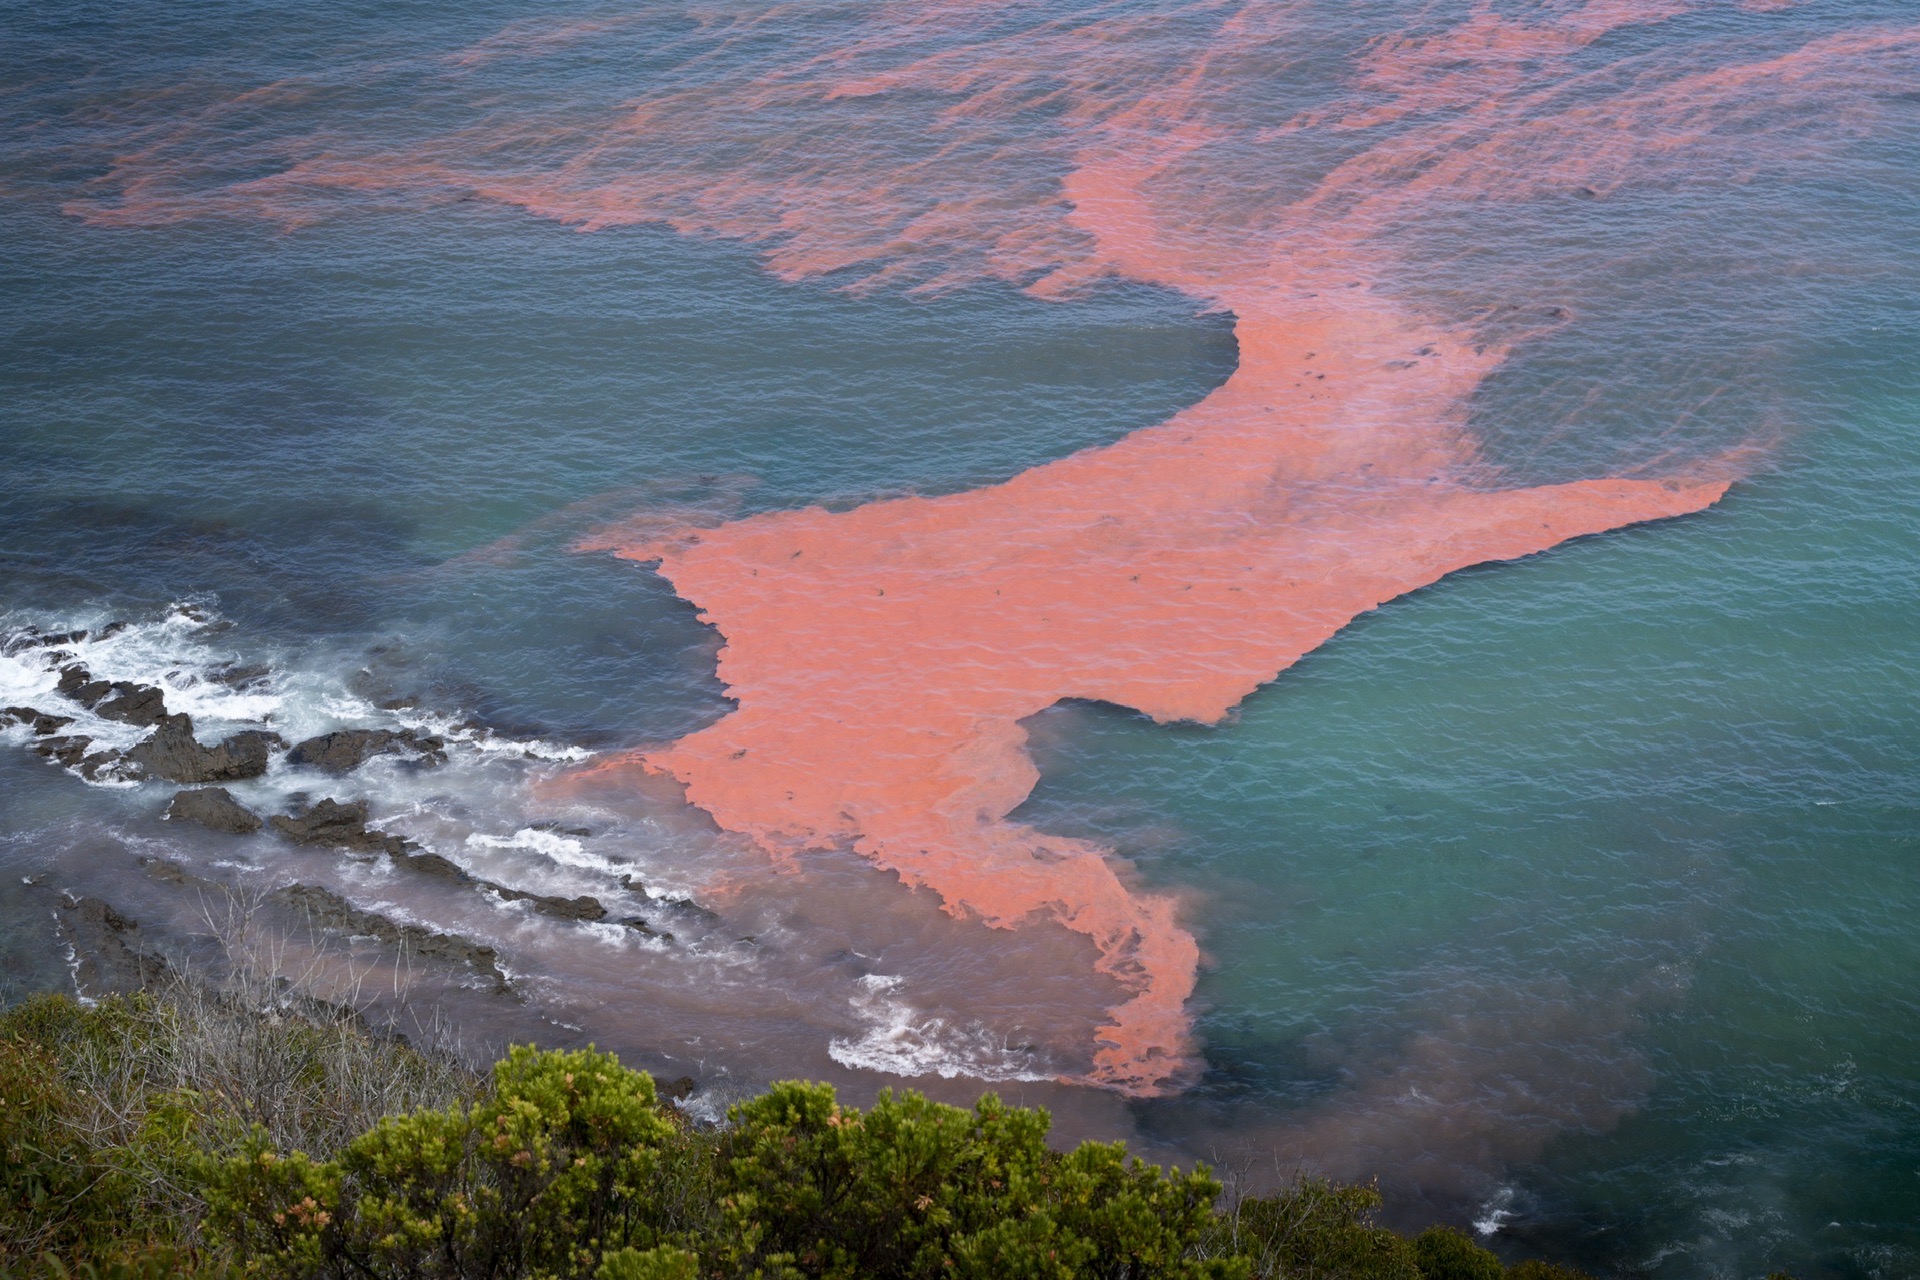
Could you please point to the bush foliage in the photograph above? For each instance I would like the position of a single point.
(176, 1135)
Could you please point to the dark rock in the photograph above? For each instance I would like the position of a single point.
(236, 676)
(135, 704)
(41, 722)
(330, 910)
(678, 1090)
(583, 907)
(688, 907)
(338, 752)
(172, 753)
(106, 947)
(33, 639)
(95, 765)
(169, 872)
(107, 632)
(559, 829)
(640, 924)
(338, 826)
(215, 808)
(431, 864)
(77, 683)
(348, 749)
(68, 750)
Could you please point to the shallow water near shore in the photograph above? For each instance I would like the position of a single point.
(1573, 897)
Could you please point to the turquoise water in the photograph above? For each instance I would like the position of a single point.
(1575, 897)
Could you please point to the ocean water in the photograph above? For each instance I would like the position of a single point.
(1572, 896)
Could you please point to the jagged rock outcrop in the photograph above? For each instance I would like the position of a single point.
(214, 808)
(345, 750)
(338, 826)
(40, 722)
(122, 700)
(583, 907)
(173, 754)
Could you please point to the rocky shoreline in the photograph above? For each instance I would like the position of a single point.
(72, 723)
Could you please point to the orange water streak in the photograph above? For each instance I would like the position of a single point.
(884, 658)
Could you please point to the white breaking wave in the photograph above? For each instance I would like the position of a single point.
(902, 1041)
(1495, 1213)
(565, 850)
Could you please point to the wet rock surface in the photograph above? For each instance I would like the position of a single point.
(172, 754)
(109, 953)
(644, 927)
(76, 752)
(583, 907)
(344, 826)
(692, 910)
(78, 684)
(344, 750)
(40, 722)
(338, 826)
(122, 700)
(329, 910)
(34, 638)
(241, 675)
(135, 704)
(67, 749)
(167, 871)
(431, 864)
(214, 808)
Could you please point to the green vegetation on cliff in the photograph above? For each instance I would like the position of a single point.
(185, 1133)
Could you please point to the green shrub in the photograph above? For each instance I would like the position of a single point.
(915, 1189)
(663, 1263)
(541, 1177)
(189, 1135)
(1446, 1253)
(1319, 1229)
(63, 1190)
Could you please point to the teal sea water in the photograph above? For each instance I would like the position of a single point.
(1576, 898)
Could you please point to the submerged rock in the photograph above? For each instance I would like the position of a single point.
(106, 948)
(338, 826)
(167, 871)
(328, 909)
(347, 749)
(240, 676)
(641, 925)
(688, 907)
(214, 808)
(173, 754)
